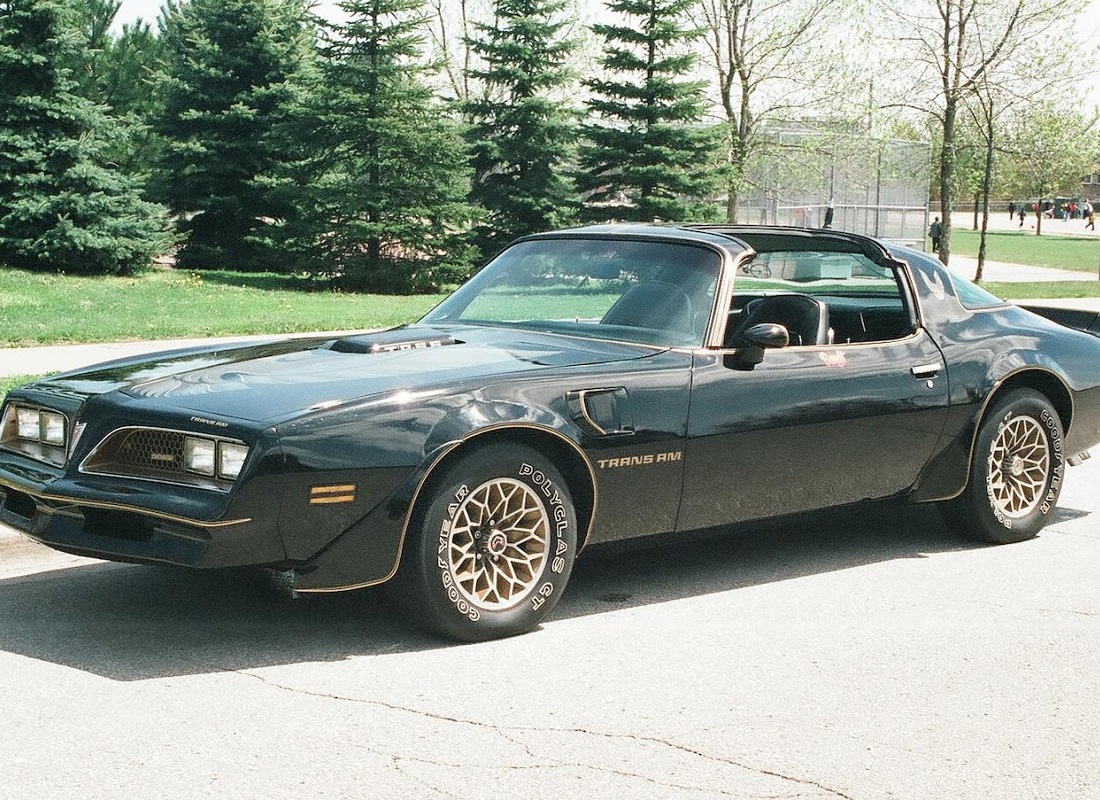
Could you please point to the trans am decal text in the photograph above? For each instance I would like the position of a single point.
(640, 461)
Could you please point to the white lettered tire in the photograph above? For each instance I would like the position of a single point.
(491, 549)
(1016, 471)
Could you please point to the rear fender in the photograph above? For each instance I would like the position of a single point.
(1078, 319)
(947, 475)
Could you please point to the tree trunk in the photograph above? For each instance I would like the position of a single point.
(987, 179)
(947, 179)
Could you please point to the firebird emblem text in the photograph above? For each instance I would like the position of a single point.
(640, 461)
(834, 359)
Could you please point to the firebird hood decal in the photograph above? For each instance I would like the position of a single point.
(278, 380)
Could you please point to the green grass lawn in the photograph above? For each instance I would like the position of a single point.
(1080, 253)
(1052, 290)
(39, 309)
(8, 381)
(50, 309)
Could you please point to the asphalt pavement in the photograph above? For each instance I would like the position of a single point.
(863, 655)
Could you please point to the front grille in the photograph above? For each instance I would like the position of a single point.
(154, 450)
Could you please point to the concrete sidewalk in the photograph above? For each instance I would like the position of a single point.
(1000, 272)
(62, 357)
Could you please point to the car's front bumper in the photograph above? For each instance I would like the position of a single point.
(93, 523)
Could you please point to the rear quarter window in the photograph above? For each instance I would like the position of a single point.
(972, 296)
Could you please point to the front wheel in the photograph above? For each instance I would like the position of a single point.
(1016, 472)
(490, 551)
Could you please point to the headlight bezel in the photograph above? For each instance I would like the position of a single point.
(169, 455)
(36, 431)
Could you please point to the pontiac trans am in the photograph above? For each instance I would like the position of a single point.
(586, 386)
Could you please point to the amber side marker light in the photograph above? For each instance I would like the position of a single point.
(326, 495)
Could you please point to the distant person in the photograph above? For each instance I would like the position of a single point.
(1021, 214)
(1011, 209)
(1090, 215)
(935, 230)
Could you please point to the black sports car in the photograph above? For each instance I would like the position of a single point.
(586, 386)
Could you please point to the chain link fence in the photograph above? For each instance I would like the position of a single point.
(877, 187)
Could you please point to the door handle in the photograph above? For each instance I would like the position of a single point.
(923, 371)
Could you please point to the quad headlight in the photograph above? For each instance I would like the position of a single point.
(39, 425)
(212, 457)
(231, 459)
(200, 455)
(40, 433)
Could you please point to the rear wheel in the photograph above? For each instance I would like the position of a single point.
(1016, 472)
(490, 551)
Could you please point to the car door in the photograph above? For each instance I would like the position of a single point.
(809, 427)
(851, 409)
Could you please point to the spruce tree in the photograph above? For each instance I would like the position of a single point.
(648, 157)
(381, 186)
(225, 89)
(114, 69)
(521, 127)
(63, 205)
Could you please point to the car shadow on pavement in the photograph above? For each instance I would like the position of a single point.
(131, 623)
(728, 559)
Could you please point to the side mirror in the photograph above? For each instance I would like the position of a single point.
(760, 337)
(767, 335)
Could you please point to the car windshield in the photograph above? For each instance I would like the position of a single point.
(657, 293)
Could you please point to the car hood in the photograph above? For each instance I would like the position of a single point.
(281, 378)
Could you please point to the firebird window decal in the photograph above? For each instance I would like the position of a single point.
(935, 287)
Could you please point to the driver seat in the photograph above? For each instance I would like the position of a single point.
(805, 318)
(653, 304)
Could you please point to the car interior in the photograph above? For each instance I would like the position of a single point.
(820, 296)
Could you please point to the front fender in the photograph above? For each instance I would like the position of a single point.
(369, 551)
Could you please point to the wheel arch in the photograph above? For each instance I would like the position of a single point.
(1042, 381)
(563, 451)
(982, 512)
(948, 475)
(1039, 380)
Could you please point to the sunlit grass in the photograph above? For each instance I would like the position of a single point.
(49, 309)
(1060, 252)
(10, 381)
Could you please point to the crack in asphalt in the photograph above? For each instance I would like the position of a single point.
(542, 763)
(1075, 611)
(499, 729)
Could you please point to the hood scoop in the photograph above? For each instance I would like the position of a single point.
(392, 341)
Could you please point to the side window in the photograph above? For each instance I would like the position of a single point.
(821, 298)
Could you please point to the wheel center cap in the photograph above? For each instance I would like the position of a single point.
(1016, 467)
(495, 543)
